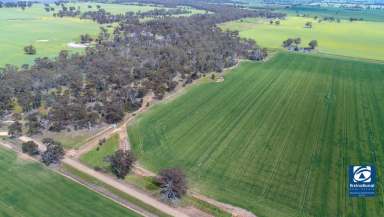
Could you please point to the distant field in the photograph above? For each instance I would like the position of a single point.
(341, 13)
(112, 8)
(27, 189)
(275, 138)
(34, 26)
(48, 34)
(354, 39)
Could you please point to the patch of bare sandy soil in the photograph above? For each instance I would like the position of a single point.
(140, 171)
(220, 79)
(235, 211)
(194, 212)
(77, 45)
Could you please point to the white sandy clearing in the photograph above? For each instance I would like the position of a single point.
(219, 80)
(8, 122)
(77, 45)
(42, 40)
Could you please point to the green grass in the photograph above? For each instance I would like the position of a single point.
(28, 189)
(72, 139)
(341, 13)
(47, 33)
(354, 39)
(275, 137)
(95, 157)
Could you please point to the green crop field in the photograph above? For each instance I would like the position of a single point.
(275, 137)
(341, 13)
(47, 33)
(353, 39)
(96, 157)
(28, 189)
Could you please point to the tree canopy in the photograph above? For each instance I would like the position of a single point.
(122, 163)
(173, 184)
(54, 153)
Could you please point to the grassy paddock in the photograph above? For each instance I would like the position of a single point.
(275, 138)
(354, 39)
(70, 139)
(95, 157)
(28, 189)
(47, 33)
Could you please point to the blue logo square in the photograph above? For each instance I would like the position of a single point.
(362, 181)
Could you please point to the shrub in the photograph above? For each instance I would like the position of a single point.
(30, 148)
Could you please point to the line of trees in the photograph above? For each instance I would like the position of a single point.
(66, 11)
(161, 12)
(293, 44)
(53, 154)
(102, 16)
(17, 4)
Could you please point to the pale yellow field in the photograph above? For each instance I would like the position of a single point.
(354, 39)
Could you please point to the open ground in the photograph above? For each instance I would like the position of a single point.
(275, 138)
